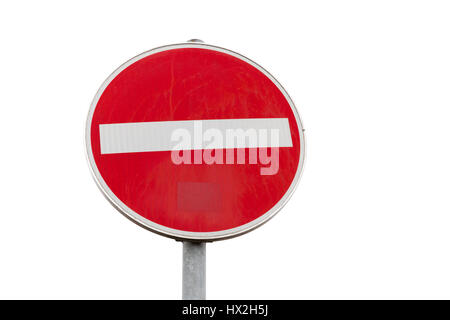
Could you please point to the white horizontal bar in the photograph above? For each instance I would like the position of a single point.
(157, 136)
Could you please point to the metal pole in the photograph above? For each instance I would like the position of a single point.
(194, 263)
(194, 270)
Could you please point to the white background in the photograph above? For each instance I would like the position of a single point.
(371, 215)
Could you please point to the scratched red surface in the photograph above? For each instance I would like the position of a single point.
(192, 84)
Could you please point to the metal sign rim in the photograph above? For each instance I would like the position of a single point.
(176, 233)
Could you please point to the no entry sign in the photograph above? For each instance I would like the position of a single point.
(195, 142)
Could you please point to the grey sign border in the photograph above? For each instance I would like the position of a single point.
(175, 233)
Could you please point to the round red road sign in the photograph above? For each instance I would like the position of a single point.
(194, 141)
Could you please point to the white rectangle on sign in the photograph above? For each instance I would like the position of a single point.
(157, 136)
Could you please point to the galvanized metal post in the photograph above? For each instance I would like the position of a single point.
(194, 270)
(194, 263)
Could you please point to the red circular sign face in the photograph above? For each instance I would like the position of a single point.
(194, 141)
